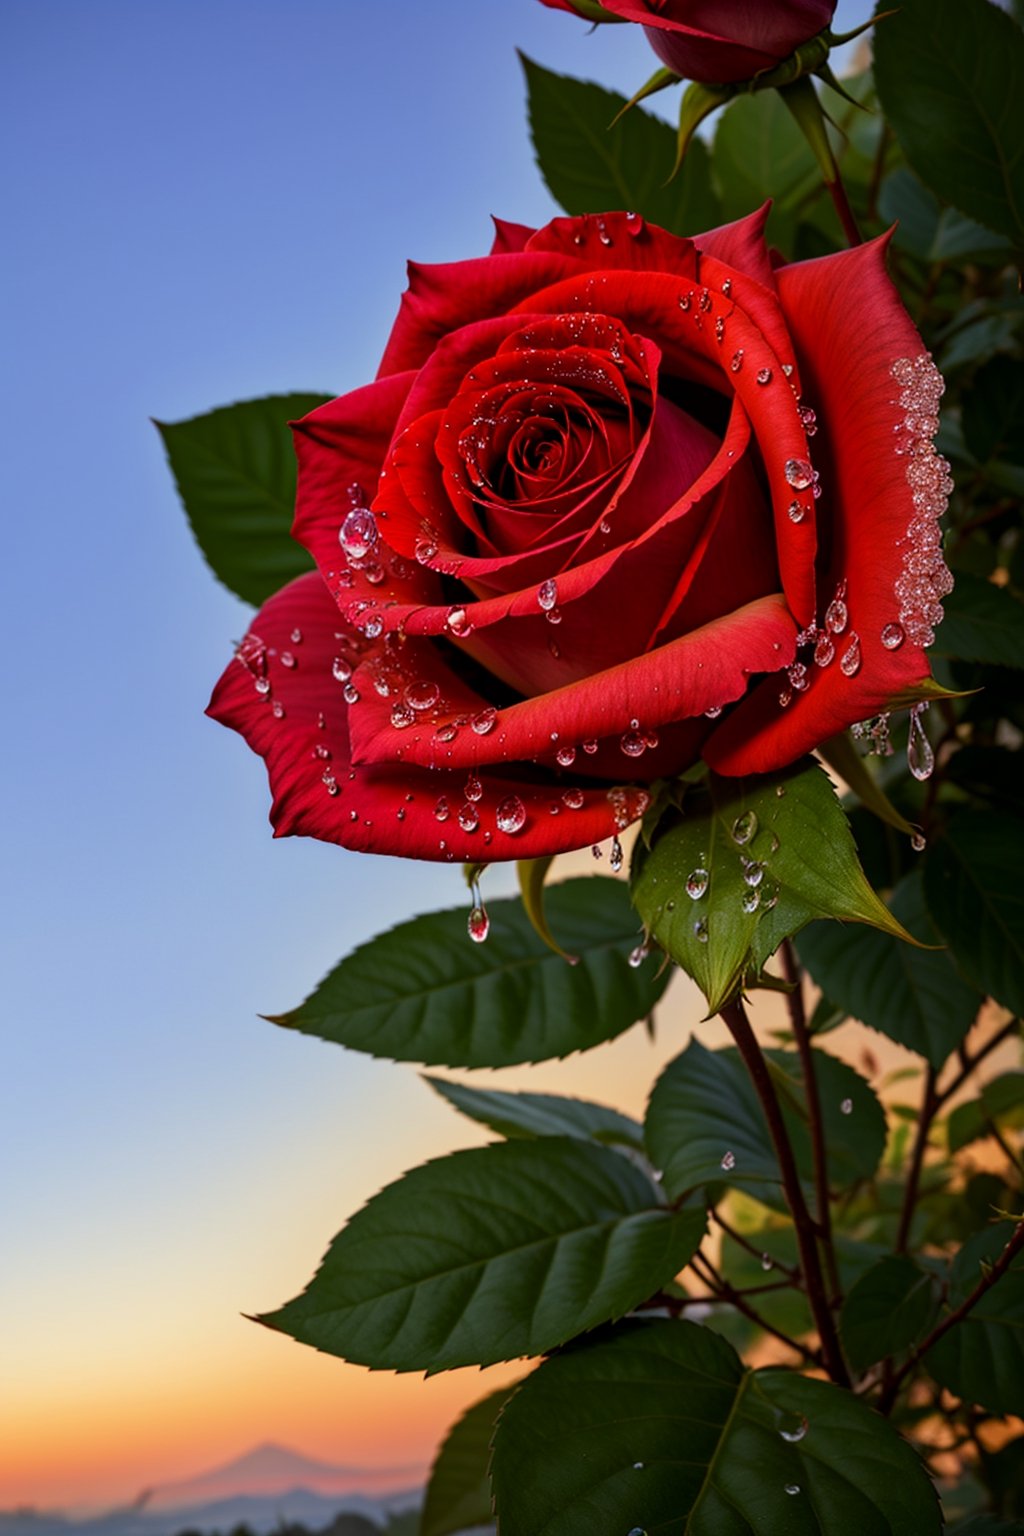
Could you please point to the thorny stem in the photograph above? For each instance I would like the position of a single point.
(929, 1106)
(725, 1292)
(792, 1275)
(735, 1017)
(842, 206)
(984, 1285)
(793, 973)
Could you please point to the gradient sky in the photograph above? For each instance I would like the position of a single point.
(206, 200)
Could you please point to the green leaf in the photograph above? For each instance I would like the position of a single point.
(458, 1494)
(541, 1114)
(915, 996)
(490, 1254)
(972, 883)
(986, 1525)
(891, 1306)
(993, 412)
(235, 473)
(423, 992)
(704, 1108)
(981, 1359)
(591, 167)
(931, 232)
(789, 836)
(983, 623)
(1001, 1103)
(760, 153)
(948, 74)
(658, 1428)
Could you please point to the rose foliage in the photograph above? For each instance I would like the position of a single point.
(632, 519)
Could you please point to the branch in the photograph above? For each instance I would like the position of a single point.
(792, 1275)
(723, 1291)
(735, 1017)
(794, 975)
(929, 1109)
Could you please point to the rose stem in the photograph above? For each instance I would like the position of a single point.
(793, 973)
(721, 1288)
(842, 206)
(735, 1017)
(929, 1106)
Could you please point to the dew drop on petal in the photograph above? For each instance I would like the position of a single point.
(358, 533)
(483, 722)
(402, 715)
(764, 376)
(469, 817)
(714, 712)
(797, 513)
(262, 686)
(799, 474)
(836, 616)
(744, 827)
(350, 693)
(736, 361)
(296, 636)
(632, 743)
(893, 636)
(510, 816)
(565, 756)
(340, 669)
(425, 551)
(574, 799)
(849, 661)
(422, 693)
(457, 621)
(824, 650)
(547, 595)
(589, 747)
(474, 789)
(442, 810)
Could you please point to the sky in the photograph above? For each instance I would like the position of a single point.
(207, 200)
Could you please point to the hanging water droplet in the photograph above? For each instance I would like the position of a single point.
(574, 799)
(795, 1432)
(590, 747)
(615, 857)
(849, 661)
(744, 827)
(696, 883)
(920, 757)
(764, 376)
(547, 595)
(798, 473)
(700, 930)
(751, 901)
(474, 789)
(638, 955)
(632, 743)
(714, 712)
(484, 721)
(597, 850)
(918, 842)
(767, 1262)
(728, 1162)
(358, 533)
(846, 1107)
(350, 693)
(824, 650)
(510, 816)
(893, 636)
(554, 615)
(797, 513)
(836, 616)
(478, 924)
(565, 756)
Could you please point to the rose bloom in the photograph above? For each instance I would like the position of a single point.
(718, 41)
(616, 501)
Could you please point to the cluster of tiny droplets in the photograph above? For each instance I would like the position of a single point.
(925, 578)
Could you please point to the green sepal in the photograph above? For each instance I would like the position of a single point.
(532, 873)
(698, 102)
(659, 81)
(802, 100)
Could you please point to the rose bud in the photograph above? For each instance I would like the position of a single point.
(616, 501)
(720, 41)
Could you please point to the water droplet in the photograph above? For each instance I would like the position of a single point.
(446, 733)
(696, 883)
(736, 361)
(920, 757)
(442, 810)
(350, 693)
(340, 669)
(797, 513)
(296, 637)
(764, 375)
(893, 636)
(632, 743)
(918, 842)
(792, 1488)
(787, 369)
(547, 595)
(824, 650)
(714, 712)
(478, 924)
(615, 857)
(597, 850)
(422, 693)
(847, 1107)
(753, 872)
(836, 616)
(685, 300)
(565, 756)
(322, 752)
(795, 1432)
(358, 533)
(744, 827)
(780, 790)
(849, 661)
(554, 615)
(262, 686)
(277, 709)
(425, 551)
(402, 715)
(751, 901)
(637, 957)
(457, 620)
(484, 721)
(574, 799)
(469, 817)
(510, 816)
(728, 1162)
(767, 1262)
(474, 789)
(700, 930)
(590, 747)
(637, 1530)
(798, 473)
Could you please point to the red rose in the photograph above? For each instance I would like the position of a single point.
(570, 540)
(718, 41)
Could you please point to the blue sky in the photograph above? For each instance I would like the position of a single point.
(206, 200)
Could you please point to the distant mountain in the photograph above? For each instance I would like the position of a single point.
(271, 1469)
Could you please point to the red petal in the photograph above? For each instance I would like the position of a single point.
(509, 236)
